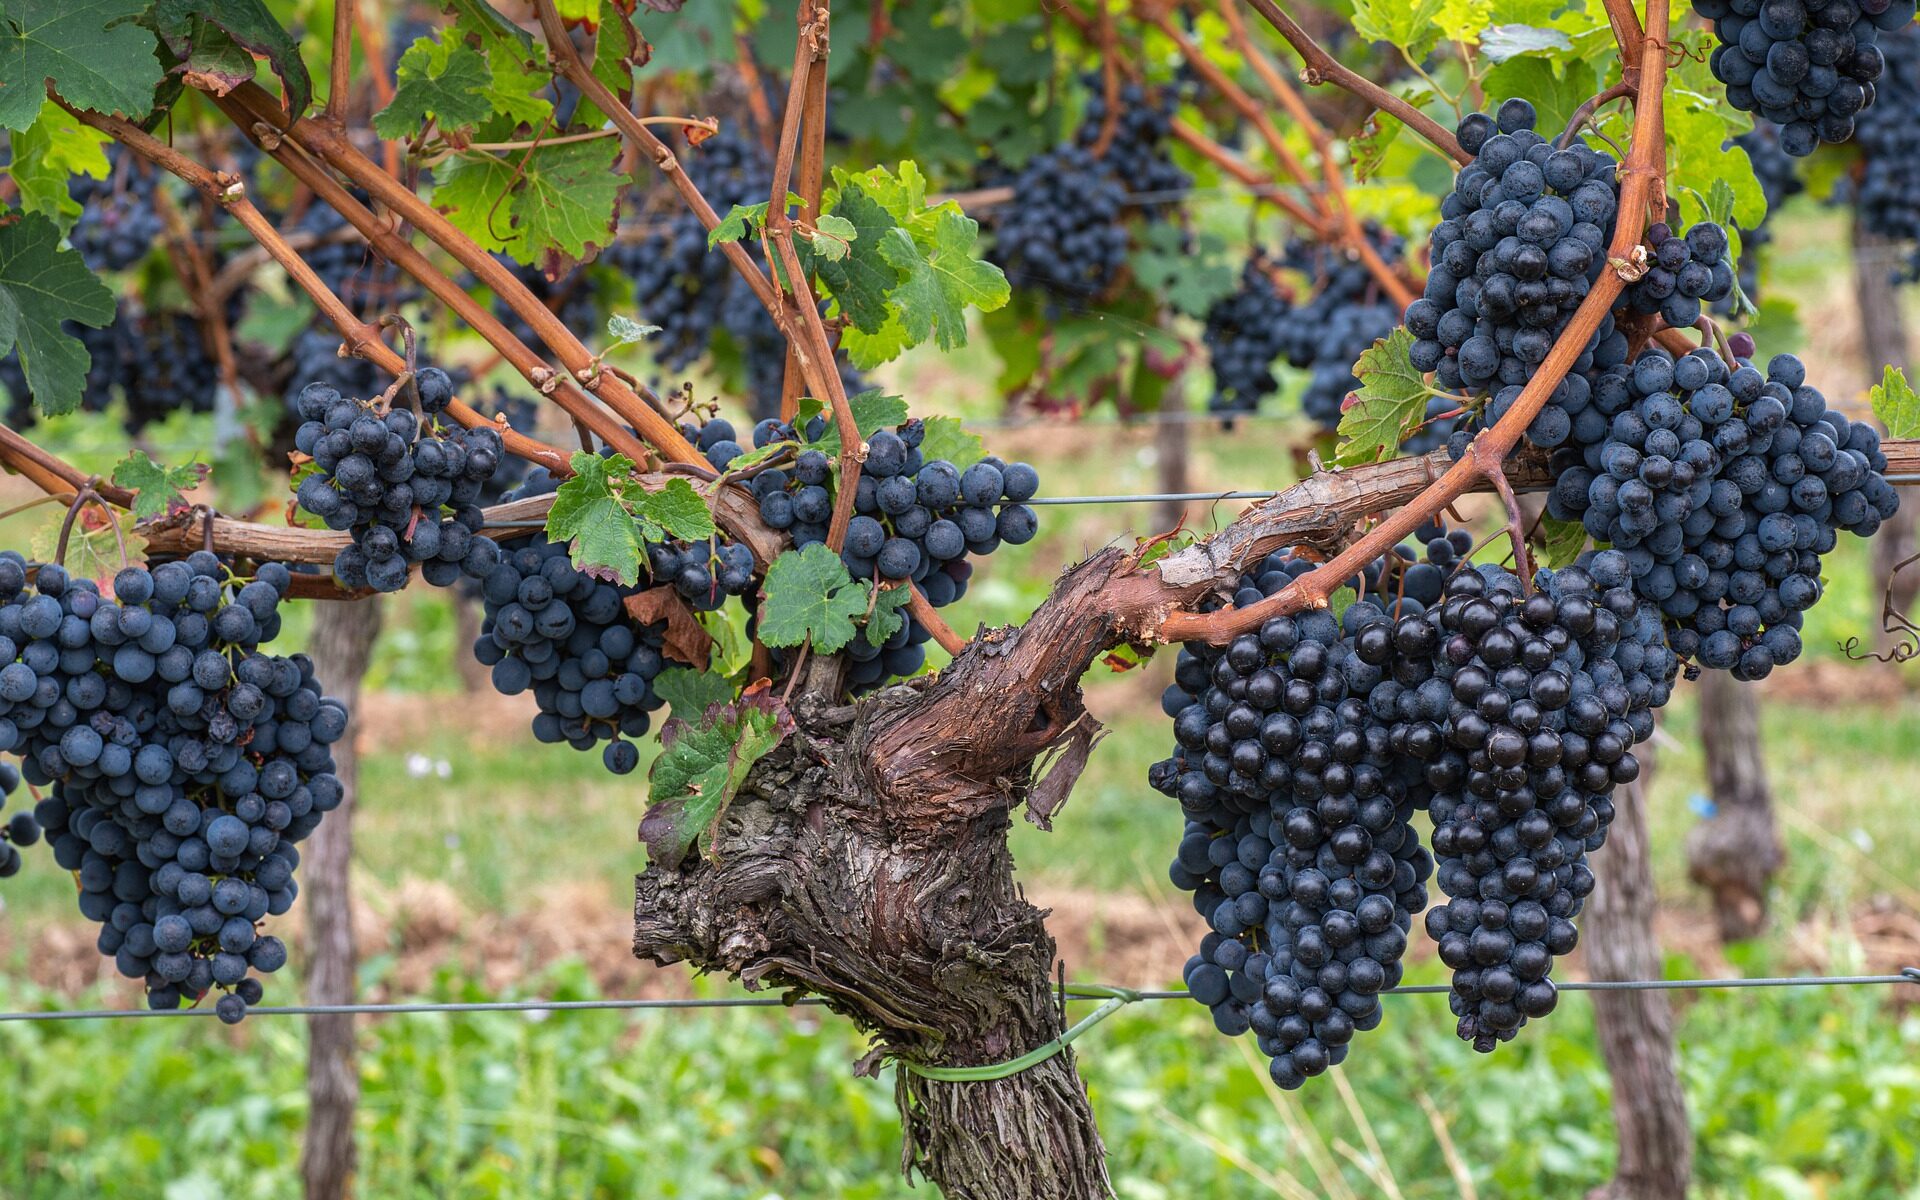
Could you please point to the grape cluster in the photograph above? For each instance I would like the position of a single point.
(1720, 491)
(1136, 155)
(1808, 66)
(118, 222)
(18, 830)
(1523, 710)
(1684, 271)
(1297, 848)
(1523, 235)
(568, 638)
(313, 360)
(914, 519)
(1245, 333)
(570, 298)
(389, 477)
(1887, 195)
(1067, 235)
(1780, 181)
(185, 763)
(678, 283)
(165, 368)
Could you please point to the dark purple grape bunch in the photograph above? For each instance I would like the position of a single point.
(1525, 722)
(16, 831)
(1727, 544)
(1522, 237)
(184, 763)
(119, 223)
(1808, 67)
(1684, 273)
(1067, 233)
(1887, 195)
(552, 629)
(406, 486)
(1136, 155)
(1245, 334)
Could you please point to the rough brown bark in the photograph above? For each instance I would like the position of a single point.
(343, 636)
(1883, 343)
(1636, 1028)
(1735, 853)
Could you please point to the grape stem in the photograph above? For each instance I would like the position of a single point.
(1321, 67)
(334, 148)
(50, 474)
(340, 67)
(361, 340)
(1642, 189)
(1588, 107)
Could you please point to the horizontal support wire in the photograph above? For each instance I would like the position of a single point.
(1906, 975)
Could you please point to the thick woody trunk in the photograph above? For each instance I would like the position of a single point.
(1735, 853)
(1883, 343)
(1171, 464)
(1635, 1027)
(343, 636)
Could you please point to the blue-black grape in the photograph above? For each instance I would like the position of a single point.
(184, 763)
(1887, 194)
(1808, 68)
(118, 222)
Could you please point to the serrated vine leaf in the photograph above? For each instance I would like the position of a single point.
(888, 614)
(217, 41)
(447, 81)
(550, 206)
(44, 285)
(156, 489)
(1502, 42)
(861, 280)
(701, 768)
(90, 50)
(942, 277)
(46, 156)
(94, 546)
(675, 508)
(1895, 403)
(811, 596)
(1561, 541)
(832, 237)
(587, 515)
(1392, 397)
(946, 438)
(625, 331)
(873, 410)
(690, 692)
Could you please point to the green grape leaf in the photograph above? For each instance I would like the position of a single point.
(445, 80)
(689, 693)
(888, 614)
(1189, 270)
(948, 439)
(551, 206)
(1895, 403)
(1369, 148)
(1463, 20)
(1556, 90)
(625, 331)
(832, 237)
(519, 75)
(676, 508)
(43, 285)
(873, 410)
(1409, 26)
(861, 280)
(617, 48)
(94, 545)
(1392, 398)
(740, 222)
(1561, 541)
(602, 538)
(47, 154)
(218, 41)
(1340, 601)
(156, 489)
(942, 277)
(89, 50)
(701, 768)
(1502, 42)
(811, 596)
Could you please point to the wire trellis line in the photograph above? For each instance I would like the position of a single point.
(1090, 993)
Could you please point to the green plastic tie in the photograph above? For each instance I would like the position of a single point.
(1117, 999)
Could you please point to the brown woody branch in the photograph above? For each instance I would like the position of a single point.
(1322, 67)
(1642, 188)
(1391, 281)
(360, 339)
(52, 475)
(333, 147)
